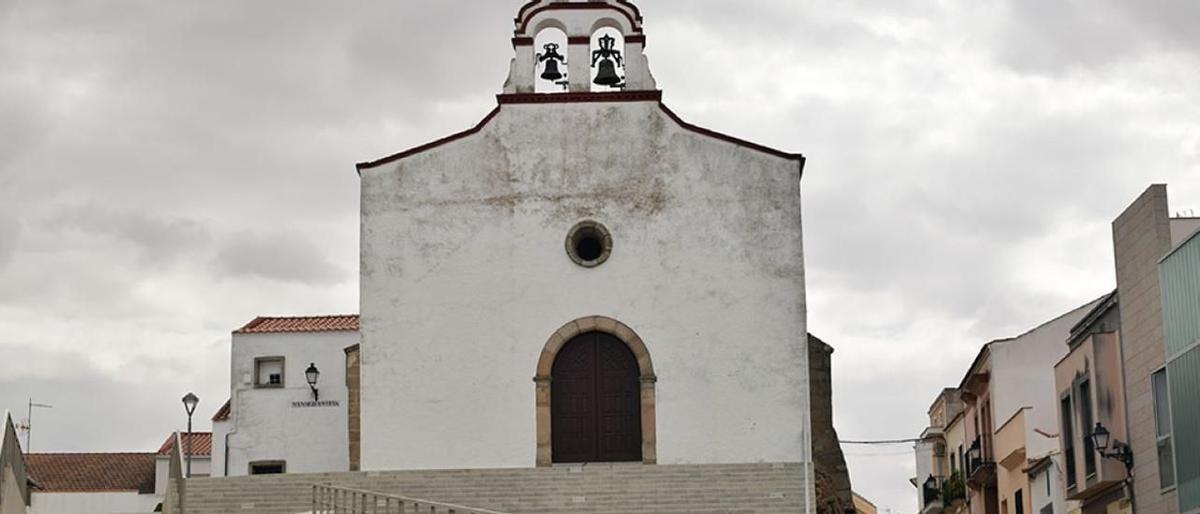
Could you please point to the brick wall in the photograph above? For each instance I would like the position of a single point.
(354, 407)
(1142, 236)
(831, 478)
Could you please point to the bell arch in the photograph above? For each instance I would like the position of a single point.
(607, 57)
(550, 70)
(544, 383)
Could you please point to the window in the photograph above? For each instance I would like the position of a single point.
(268, 467)
(1068, 435)
(268, 372)
(1019, 502)
(953, 463)
(1162, 424)
(1085, 427)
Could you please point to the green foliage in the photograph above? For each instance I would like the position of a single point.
(954, 488)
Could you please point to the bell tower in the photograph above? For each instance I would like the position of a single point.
(578, 46)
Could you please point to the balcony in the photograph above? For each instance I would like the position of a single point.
(981, 469)
(931, 495)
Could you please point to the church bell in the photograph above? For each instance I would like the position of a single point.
(607, 76)
(552, 73)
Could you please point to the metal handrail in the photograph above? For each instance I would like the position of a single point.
(330, 499)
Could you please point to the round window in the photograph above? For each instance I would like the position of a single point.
(589, 244)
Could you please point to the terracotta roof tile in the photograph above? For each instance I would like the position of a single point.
(201, 443)
(90, 472)
(265, 325)
(224, 412)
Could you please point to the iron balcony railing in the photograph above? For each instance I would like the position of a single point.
(329, 499)
(932, 490)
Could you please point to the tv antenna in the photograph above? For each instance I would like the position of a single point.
(27, 425)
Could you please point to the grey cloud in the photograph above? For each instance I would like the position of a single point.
(159, 241)
(284, 256)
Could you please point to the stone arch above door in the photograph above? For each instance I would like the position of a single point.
(543, 380)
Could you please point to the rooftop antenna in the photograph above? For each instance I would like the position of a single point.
(27, 426)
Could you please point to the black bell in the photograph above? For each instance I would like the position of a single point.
(607, 76)
(551, 72)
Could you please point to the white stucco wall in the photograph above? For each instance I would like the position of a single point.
(464, 277)
(93, 503)
(1023, 376)
(219, 429)
(265, 425)
(201, 467)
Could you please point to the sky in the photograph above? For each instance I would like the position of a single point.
(170, 170)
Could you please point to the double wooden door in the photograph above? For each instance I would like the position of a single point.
(595, 401)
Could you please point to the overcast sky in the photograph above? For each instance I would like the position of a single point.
(169, 170)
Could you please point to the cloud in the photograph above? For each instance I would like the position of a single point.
(283, 256)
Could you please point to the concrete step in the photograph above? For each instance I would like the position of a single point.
(620, 488)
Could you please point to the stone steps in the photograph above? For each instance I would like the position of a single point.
(603, 488)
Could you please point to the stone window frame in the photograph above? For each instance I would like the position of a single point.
(645, 375)
(264, 463)
(606, 243)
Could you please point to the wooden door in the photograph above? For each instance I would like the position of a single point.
(595, 401)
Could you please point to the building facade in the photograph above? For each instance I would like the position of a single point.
(1177, 419)
(275, 421)
(576, 245)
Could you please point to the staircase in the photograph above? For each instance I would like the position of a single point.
(595, 488)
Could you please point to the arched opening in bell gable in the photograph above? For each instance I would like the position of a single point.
(550, 60)
(607, 57)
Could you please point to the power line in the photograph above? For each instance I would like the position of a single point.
(884, 441)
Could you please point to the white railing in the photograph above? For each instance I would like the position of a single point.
(174, 501)
(328, 499)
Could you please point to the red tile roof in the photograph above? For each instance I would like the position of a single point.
(92, 472)
(264, 325)
(224, 412)
(201, 443)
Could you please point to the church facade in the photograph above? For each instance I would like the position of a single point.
(582, 277)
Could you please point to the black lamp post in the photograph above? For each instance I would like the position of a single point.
(1120, 451)
(312, 373)
(189, 404)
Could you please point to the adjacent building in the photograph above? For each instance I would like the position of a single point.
(287, 411)
(1177, 415)
(92, 483)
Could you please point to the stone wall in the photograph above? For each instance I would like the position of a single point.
(831, 478)
(1142, 236)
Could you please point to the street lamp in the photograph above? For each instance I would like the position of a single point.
(1120, 451)
(312, 373)
(189, 404)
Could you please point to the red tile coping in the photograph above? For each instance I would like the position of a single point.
(224, 412)
(201, 443)
(268, 325)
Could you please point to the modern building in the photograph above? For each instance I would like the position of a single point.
(1142, 236)
(1177, 415)
(1011, 416)
(287, 411)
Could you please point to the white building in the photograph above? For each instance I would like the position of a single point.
(669, 328)
(200, 450)
(275, 422)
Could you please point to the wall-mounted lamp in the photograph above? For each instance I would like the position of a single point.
(1120, 451)
(312, 373)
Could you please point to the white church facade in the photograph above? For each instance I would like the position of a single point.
(582, 277)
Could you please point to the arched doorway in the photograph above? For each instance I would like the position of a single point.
(549, 376)
(595, 401)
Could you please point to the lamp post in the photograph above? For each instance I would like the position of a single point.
(1120, 451)
(312, 374)
(189, 404)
